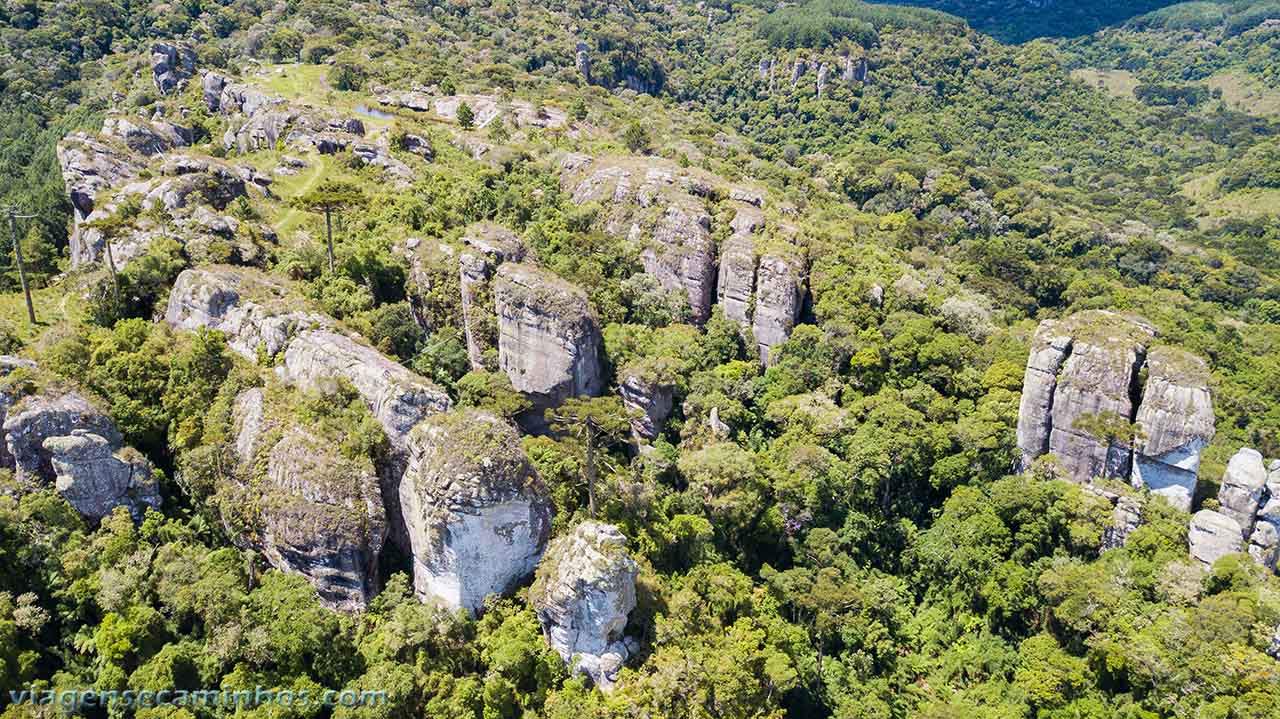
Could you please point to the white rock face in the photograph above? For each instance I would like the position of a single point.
(477, 515)
(1176, 418)
(548, 339)
(1049, 348)
(1212, 536)
(1264, 543)
(779, 299)
(585, 589)
(737, 281)
(1243, 488)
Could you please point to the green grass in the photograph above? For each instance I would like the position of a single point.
(1245, 93)
(55, 305)
(1117, 83)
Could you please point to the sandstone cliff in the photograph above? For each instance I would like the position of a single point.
(1083, 400)
(310, 509)
(477, 514)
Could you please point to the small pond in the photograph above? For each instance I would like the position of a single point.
(374, 112)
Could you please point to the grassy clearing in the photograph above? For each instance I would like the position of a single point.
(1215, 207)
(1117, 83)
(54, 305)
(1245, 93)
(301, 83)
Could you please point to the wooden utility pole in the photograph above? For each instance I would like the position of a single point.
(17, 254)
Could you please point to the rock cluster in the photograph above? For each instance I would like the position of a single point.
(584, 591)
(63, 440)
(311, 511)
(549, 342)
(171, 66)
(1081, 398)
(1248, 518)
(477, 515)
(256, 315)
(681, 255)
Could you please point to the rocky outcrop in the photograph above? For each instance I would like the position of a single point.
(488, 246)
(548, 338)
(89, 166)
(1126, 516)
(310, 509)
(681, 256)
(65, 441)
(584, 591)
(1079, 400)
(477, 515)
(1175, 421)
(1244, 489)
(246, 306)
(778, 300)
(171, 66)
(147, 138)
(1212, 536)
(1264, 543)
(398, 398)
(648, 392)
(95, 475)
(34, 419)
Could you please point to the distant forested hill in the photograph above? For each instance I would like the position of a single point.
(1020, 20)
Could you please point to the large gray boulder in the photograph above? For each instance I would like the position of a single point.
(1212, 536)
(548, 338)
(1077, 393)
(1126, 517)
(1176, 423)
(477, 515)
(147, 138)
(64, 441)
(397, 397)
(681, 256)
(250, 308)
(309, 508)
(34, 419)
(95, 475)
(584, 591)
(1244, 489)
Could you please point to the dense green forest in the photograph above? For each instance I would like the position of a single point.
(733, 308)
